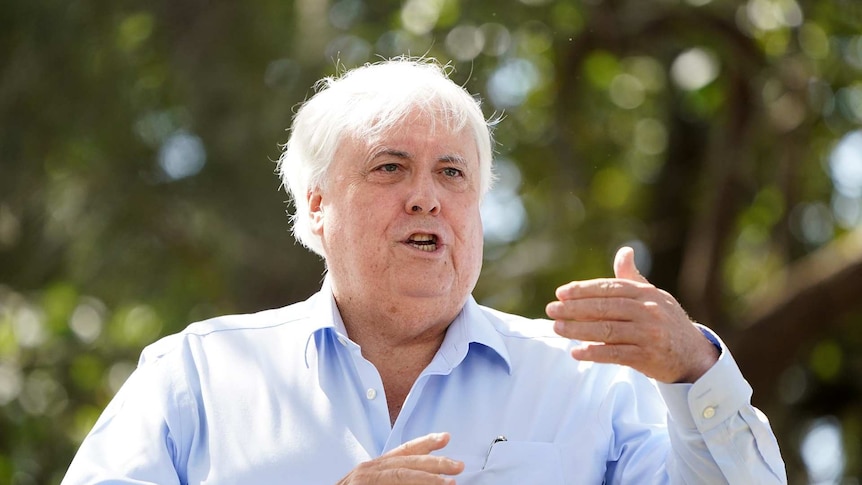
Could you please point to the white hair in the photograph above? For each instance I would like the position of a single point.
(366, 102)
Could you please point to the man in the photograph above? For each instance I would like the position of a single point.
(393, 374)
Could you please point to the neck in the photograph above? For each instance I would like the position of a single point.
(399, 330)
(400, 340)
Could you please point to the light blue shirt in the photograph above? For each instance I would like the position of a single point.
(284, 397)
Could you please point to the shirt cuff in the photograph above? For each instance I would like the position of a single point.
(719, 394)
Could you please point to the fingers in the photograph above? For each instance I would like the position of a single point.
(401, 470)
(595, 309)
(628, 321)
(630, 355)
(600, 288)
(410, 463)
(425, 464)
(415, 466)
(608, 332)
(406, 476)
(415, 454)
(651, 362)
(422, 445)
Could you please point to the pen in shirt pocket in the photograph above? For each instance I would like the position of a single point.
(498, 439)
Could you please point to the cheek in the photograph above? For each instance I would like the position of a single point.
(473, 236)
(359, 229)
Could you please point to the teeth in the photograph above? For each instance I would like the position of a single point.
(422, 237)
(424, 242)
(424, 247)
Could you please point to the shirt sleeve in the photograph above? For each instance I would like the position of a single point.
(135, 440)
(716, 435)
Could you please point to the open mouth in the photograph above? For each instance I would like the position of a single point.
(423, 242)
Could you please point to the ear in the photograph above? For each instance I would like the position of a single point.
(315, 210)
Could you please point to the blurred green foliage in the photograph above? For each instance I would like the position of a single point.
(137, 191)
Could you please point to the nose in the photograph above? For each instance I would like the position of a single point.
(422, 198)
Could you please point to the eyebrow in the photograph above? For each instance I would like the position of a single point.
(390, 152)
(456, 159)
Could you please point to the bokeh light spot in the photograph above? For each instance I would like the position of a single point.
(510, 84)
(502, 211)
(845, 165)
(344, 13)
(694, 69)
(813, 41)
(465, 42)
(626, 91)
(182, 155)
(10, 383)
(650, 136)
(823, 452)
(420, 16)
(87, 321)
(497, 39)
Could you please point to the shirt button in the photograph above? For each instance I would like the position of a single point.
(709, 412)
(370, 393)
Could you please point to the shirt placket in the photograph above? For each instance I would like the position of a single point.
(369, 388)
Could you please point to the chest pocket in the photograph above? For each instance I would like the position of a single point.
(517, 462)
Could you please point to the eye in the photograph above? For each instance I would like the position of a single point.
(388, 167)
(452, 172)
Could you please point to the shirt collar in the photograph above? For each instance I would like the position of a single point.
(472, 325)
(324, 315)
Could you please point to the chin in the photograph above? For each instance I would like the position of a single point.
(423, 292)
(424, 287)
(442, 295)
(437, 283)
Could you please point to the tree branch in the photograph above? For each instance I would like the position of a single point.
(797, 306)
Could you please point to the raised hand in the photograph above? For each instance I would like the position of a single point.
(626, 320)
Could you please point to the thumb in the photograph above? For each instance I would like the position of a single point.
(624, 265)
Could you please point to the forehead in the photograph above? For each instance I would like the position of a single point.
(418, 134)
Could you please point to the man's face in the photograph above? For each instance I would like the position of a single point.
(399, 214)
